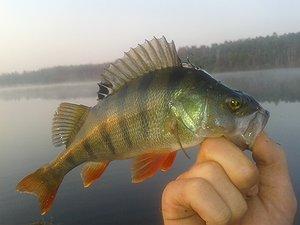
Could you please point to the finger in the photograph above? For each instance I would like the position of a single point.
(183, 197)
(239, 168)
(216, 176)
(273, 168)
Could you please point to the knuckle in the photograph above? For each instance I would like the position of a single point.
(223, 217)
(195, 186)
(181, 176)
(248, 176)
(167, 190)
(210, 167)
(207, 144)
(240, 211)
(215, 143)
(169, 186)
(168, 198)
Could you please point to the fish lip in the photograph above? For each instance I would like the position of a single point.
(266, 115)
(255, 126)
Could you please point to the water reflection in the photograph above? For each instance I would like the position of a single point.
(25, 144)
(266, 85)
(58, 91)
(42, 223)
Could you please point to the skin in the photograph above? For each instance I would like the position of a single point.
(225, 187)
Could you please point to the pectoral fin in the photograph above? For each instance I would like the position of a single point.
(167, 164)
(92, 171)
(181, 115)
(147, 165)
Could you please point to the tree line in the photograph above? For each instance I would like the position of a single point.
(274, 51)
(54, 75)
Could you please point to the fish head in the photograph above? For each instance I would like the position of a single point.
(250, 118)
(228, 112)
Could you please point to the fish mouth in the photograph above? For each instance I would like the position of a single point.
(249, 128)
(255, 126)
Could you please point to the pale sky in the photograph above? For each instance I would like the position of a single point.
(37, 33)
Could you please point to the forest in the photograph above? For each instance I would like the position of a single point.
(54, 75)
(274, 51)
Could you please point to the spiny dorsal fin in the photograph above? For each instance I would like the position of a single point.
(150, 56)
(67, 121)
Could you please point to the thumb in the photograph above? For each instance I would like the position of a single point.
(267, 154)
(274, 176)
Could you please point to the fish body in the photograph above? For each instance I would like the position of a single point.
(151, 106)
(138, 119)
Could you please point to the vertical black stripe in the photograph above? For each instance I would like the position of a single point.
(176, 76)
(71, 160)
(88, 149)
(122, 123)
(107, 140)
(143, 90)
(125, 132)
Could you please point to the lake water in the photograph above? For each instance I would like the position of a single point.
(25, 145)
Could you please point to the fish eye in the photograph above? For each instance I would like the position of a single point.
(234, 104)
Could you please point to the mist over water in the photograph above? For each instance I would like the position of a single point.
(25, 144)
(265, 85)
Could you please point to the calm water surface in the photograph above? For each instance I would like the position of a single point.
(25, 145)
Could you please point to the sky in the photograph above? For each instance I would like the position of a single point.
(36, 34)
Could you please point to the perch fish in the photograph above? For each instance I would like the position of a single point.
(150, 106)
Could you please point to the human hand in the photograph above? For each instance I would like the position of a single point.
(226, 187)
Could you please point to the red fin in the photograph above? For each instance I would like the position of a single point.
(44, 184)
(147, 165)
(167, 164)
(92, 171)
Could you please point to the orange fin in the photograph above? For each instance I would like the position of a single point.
(92, 171)
(44, 184)
(147, 165)
(167, 164)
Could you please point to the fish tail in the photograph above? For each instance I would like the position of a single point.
(44, 184)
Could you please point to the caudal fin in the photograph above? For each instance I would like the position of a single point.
(44, 184)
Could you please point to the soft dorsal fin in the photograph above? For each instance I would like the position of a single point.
(67, 121)
(150, 56)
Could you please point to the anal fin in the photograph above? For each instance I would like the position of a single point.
(146, 166)
(92, 171)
